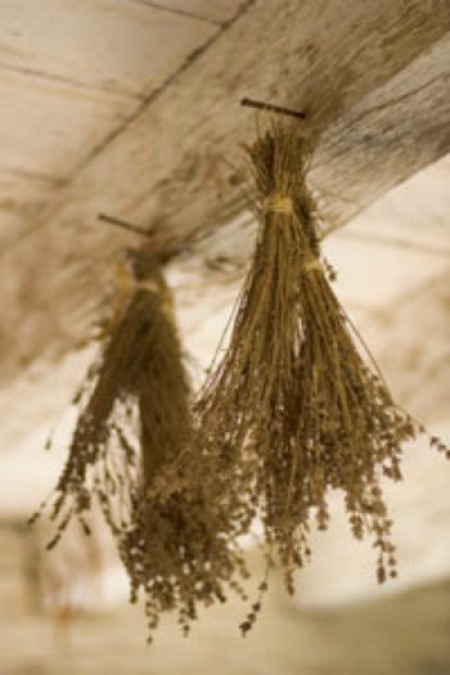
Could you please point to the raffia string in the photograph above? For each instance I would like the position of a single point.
(313, 265)
(278, 203)
(292, 411)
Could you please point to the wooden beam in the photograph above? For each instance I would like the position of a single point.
(372, 77)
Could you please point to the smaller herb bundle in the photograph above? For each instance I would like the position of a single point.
(292, 410)
(137, 381)
(133, 425)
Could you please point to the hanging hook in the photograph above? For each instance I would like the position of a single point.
(270, 107)
(124, 225)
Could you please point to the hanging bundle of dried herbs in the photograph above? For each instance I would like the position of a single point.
(292, 410)
(133, 424)
(137, 381)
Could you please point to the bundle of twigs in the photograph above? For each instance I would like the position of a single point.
(134, 422)
(292, 410)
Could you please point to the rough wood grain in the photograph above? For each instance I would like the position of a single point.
(372, 76)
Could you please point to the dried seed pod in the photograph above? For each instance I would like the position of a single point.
(292, 410)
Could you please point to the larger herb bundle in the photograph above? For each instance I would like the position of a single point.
(292, 409)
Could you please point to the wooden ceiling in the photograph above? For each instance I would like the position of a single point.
(132, 107)
(71, 75)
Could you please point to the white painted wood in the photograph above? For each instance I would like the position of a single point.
(216, 11)
(22, 197)
(47, 128)
(114, 45)
(71, 74)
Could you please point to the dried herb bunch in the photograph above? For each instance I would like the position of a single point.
(181, 551)
(292, 410)
(137, 382)
(134, 421)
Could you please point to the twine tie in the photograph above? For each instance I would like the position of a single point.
(279, 203)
